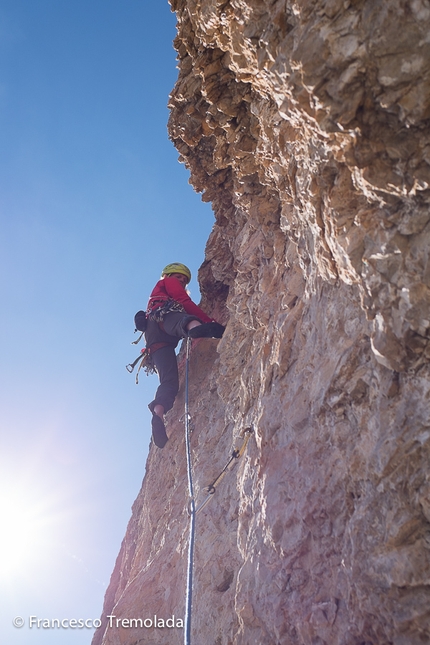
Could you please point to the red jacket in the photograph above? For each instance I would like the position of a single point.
(171, 289)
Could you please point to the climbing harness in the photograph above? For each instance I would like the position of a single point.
(140, 320)
(145, 358)
(157, 314)
(235, 456)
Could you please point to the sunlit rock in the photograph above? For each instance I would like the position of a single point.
(306, 124)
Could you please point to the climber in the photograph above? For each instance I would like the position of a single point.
(172, 315)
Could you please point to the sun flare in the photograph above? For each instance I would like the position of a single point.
(24, 535)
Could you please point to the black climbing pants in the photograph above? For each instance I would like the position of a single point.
(170, 331)
(167, 368)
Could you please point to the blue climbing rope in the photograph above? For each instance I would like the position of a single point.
(192, 507)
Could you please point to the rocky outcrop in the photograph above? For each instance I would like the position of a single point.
(306, 124)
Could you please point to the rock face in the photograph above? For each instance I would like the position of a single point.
(306, 124)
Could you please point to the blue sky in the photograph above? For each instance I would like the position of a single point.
(93, 203)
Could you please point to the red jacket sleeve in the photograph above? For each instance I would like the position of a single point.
(175, 290)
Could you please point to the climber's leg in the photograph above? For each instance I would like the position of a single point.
(167, 368)
(177, 323)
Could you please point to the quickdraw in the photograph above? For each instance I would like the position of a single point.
(235, 456)
(136, 342)
(146, 363)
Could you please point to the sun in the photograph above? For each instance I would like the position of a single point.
(25, 533)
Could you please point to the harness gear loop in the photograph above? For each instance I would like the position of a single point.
(146, 363)
(157, 314)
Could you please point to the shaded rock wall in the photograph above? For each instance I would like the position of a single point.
(306, 124)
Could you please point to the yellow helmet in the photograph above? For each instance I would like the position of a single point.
(177, 267)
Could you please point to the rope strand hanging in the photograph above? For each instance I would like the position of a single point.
(189, 593)
(211, 489)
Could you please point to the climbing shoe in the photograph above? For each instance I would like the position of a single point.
(158, 431)
(207, 330)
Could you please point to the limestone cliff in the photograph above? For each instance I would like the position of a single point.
(306, 124)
